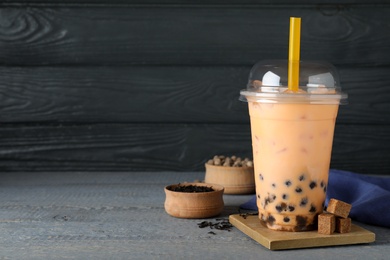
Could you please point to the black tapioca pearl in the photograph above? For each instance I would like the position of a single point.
(265, 203)
(301, 221)
(271, 219)
(313, 184)
(269, 199)
(322, 184)
(298, 189)
(303, 202)
(261, 177)
(286, 219)
(325, 188)
(258, 196)
(281, 207)
(312, 209)
(288, 183)
(284, 196)
(301, 178)
(273, 185)
(291, 208)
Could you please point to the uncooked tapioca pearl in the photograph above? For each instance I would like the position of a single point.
(237, 164)
(217, 161)
(303, 202)
(313, 184)
(227, 162)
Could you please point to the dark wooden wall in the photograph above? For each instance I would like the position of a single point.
(154, 85)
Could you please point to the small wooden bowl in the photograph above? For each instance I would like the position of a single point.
(235, 180)
(195, 204)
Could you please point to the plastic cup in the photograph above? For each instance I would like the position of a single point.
(292, 136)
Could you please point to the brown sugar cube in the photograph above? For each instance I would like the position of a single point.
(343, 225)
(326, 223)
(339, 208)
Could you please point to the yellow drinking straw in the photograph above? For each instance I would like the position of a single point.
(294, 49)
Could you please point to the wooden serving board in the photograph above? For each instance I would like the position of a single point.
(278, 240)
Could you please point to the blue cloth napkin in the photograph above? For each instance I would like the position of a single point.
(369, 196)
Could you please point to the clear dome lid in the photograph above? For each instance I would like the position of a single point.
(318, 83)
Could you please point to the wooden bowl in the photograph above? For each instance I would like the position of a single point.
(195, 204)
(235, 180)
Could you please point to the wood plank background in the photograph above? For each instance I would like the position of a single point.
(132, 86)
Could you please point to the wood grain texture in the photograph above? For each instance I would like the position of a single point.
(160, 147)
(205, 94)
(205, 35)
(180, 2)
(120, 215)
(124, 85)
(281, 240)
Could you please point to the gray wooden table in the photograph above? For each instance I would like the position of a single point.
(120, 215)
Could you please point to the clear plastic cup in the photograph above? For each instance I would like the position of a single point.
(292, 137)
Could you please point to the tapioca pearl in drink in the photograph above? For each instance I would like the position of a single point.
(303, 202)
(261, 177)
(281, 207)
(313, 184)
(301, 220)
(323, 186)
(270, 198)
(298, 189)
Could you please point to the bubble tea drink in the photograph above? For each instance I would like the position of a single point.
(292, 136)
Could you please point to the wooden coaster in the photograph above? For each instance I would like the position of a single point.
(279, 240)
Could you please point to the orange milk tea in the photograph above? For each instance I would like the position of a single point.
(292, 145)
(292, 137)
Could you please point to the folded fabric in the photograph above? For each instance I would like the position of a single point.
(369, 196)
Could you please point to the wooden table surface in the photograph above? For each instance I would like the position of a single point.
(120, 215)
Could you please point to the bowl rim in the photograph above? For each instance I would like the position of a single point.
(228, 167)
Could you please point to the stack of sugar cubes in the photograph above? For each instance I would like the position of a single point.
(335, 219)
